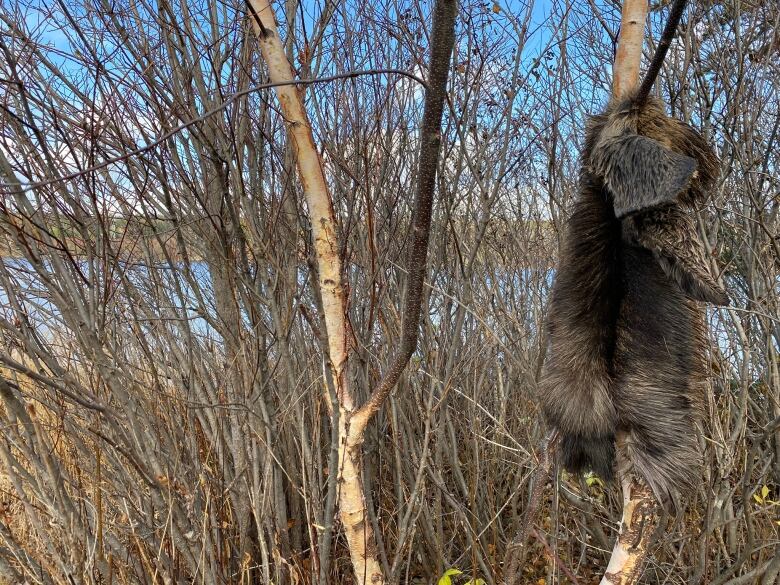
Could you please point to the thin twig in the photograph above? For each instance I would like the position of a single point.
(22, 187)
(516, 550)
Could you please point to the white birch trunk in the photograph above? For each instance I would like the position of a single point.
(351, 501)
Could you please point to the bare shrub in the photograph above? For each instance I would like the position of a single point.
(161, 352)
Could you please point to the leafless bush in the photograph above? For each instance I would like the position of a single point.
(162, 374)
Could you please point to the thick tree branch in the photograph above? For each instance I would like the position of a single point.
(640, 509)
(640, 516)
(333, 295)
(663, 46)
(442, 42)
(315, 189)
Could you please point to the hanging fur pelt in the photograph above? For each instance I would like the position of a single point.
(626, 322)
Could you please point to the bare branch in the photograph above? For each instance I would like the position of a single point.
(660, 51)
(22, 187)
(442, 41)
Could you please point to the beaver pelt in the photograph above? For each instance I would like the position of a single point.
(625, 323)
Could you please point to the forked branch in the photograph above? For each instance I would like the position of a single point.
(442, 42)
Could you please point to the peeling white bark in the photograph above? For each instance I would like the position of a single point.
(351, 501)
(640, 515)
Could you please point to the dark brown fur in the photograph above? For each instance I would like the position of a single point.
(626, 336)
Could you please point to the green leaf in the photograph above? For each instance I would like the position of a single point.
(475, 582)
(758, 498)
(592, 479)
(764, 492)
(445, 579)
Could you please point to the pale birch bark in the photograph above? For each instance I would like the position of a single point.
(625, 70)
(351, 429)
(640, 516)
(315, 189)
(352, 508)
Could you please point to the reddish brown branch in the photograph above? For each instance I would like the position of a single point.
(663, 46)
(564, 567)
(442, 42)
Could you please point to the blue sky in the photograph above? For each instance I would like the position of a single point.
(39, 20)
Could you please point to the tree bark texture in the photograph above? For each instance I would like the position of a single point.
(640, 516)
(625, 70)
(351, 499)
(352, 423)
